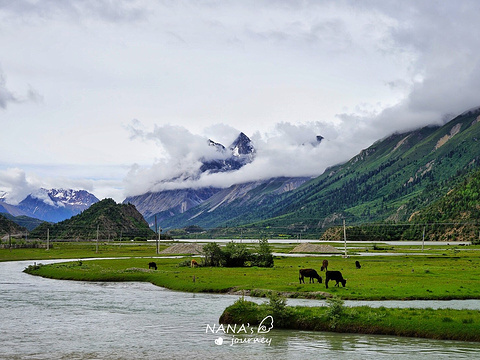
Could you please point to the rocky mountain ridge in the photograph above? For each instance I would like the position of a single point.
(52, 205)
(166, 204)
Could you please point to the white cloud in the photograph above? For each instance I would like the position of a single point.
(14, 182)
(279, 71)
(290, 150)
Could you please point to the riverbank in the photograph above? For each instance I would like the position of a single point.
(440, 324)
(380, 278)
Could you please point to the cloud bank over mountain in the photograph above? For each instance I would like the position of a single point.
(289, 150)
(73, 75)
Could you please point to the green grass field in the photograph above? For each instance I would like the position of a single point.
(79, 250)
(449, 276)
(439, 273)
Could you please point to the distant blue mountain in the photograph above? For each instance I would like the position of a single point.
(52, 205)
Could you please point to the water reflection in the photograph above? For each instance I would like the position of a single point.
(51, 319)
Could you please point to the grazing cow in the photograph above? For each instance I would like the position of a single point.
(193, 263)
(334, 275)
(310, 273)
(324, 265)
(357, 264)
(152, 265)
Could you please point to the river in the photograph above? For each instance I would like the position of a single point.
(54, 319)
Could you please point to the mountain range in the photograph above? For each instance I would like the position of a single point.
(402, 179)
(168, 206)
(52, 205)
(391, 181)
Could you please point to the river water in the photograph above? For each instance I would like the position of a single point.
(54, 319)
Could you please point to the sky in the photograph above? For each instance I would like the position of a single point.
(119, 97)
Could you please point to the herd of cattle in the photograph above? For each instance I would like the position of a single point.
(329, 275)
(303, 273)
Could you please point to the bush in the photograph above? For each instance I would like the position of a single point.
(185, 263)
(213, 254)
(235, 255)
(241, 312)
(277, 306)
(335, 310)
(31, 268)
(264, 257)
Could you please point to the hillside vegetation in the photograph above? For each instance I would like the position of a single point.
(106, 218)
(394, 181)
(9, 227)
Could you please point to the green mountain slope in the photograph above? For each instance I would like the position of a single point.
(456, 215)
(7, 226)
(25, 221)
(110, 219)
(235, 204)
(389, 181)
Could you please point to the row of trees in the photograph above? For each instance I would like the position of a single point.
(238, 255)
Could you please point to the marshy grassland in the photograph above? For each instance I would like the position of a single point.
(443, 274)
(439, 273)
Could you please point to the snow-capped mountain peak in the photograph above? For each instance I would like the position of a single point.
(242, 146)
(239, 153)
(56, 204)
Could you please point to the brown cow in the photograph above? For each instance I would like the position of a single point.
(311, 274)
(324, 265)
(193, 263)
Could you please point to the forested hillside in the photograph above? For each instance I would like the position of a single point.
(388, 182)
(106, 218)
(9, 227)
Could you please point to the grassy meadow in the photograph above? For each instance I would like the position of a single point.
(440, 275)
(81, 250)
(441, 272)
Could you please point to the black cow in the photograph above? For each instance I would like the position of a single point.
(334, 275)
(152, 265)
(357, 264)
(310, 273)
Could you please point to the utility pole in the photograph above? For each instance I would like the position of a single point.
(96, 247)
(345, 237)
(423, 238)
(48, 239)
(159, 234)
(156, 230)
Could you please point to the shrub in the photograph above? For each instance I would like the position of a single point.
(31, 268)
(213, 254)
(235, 255)
(277, 306)
(185, 263)
(335, 310)
(242, 311)
(263, 257)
